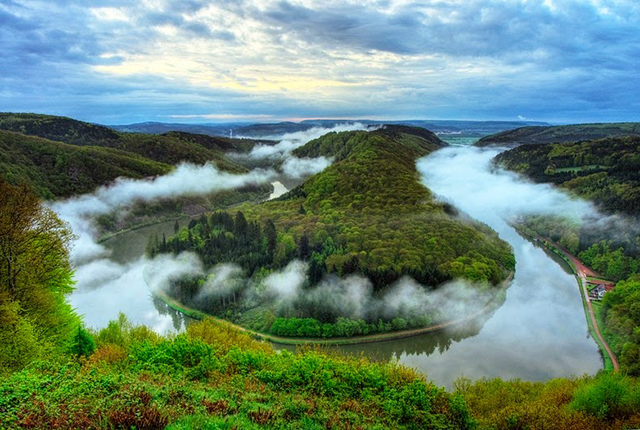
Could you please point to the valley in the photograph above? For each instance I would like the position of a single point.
(311, 215)
(484, 345)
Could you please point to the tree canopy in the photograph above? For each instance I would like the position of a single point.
(35, 277)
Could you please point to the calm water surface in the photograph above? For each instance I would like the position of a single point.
(540, 332)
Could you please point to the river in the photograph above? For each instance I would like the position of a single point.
(540, 332)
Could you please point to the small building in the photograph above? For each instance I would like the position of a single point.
(598, 291)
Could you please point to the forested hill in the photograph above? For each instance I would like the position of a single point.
(56, 169)
(340, 145)
(606, 171)
(560, 133)
(61, 157)
(169, 148)
(373, 206)
(369, 213)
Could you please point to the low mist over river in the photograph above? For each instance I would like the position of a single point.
(540, 332)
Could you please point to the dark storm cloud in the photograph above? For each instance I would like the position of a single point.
(576, 33)
(346, 25)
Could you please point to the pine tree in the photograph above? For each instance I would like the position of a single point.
(304, 249)
(83, 344)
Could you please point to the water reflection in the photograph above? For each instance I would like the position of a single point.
(540, 331)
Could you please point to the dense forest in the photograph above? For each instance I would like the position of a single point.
(367, 214)
(35, 276)
(560, 133)
(607, 172)
(387, 219)
(62, 157)
(57, 169)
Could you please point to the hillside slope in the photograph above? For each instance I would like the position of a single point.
(56, 169)
(170, 148)
(606, 171)
(372, 203)
(366, 214)
(560, 133)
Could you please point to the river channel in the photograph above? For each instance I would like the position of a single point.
(540, 332)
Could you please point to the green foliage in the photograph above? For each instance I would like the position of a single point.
(560, 133)
(607, 397)
(603, 401)
(201, 379)
(122, 333)
(82, 343)
(35, 277)
(342, 327)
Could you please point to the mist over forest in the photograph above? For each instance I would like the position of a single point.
(298, 214)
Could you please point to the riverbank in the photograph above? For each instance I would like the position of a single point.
(581, 272)
(184, 216)
(491, 305)
(108, 236)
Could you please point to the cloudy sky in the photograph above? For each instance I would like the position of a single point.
(120, 61)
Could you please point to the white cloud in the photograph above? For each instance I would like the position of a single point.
(110, 14)
(283, 59)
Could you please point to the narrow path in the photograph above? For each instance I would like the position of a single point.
(194, 313)
(582, 272)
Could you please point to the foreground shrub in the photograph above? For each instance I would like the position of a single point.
(201, 379)
(607, 397)
(604, 401)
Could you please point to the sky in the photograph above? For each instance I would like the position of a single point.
(119, 62)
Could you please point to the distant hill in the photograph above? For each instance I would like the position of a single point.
(262, 130)
(560, 133)
(169, 148)
(61, 157)
(606, 171)
(57, 128)
(57, 169)
(341, 145)
(163, 127)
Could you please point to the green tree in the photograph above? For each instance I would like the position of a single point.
(304, 250)
(272, 238)
(83, 344)
(35, 277)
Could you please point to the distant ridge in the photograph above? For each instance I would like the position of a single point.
(62, 157)
(262, 130)
(167, 148)
(561, 133)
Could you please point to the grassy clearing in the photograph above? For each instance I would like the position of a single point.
(581, 168)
